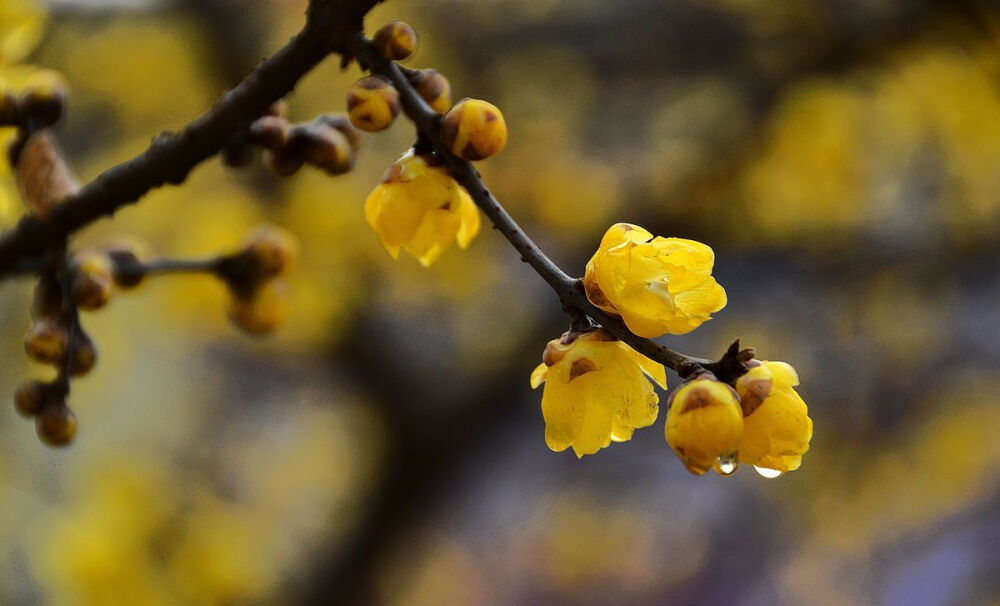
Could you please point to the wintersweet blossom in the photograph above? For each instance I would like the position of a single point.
(657, 285)
(596, 391)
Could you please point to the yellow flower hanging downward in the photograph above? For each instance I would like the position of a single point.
(777, 428)
(420, 208)
(705, 425)
(595, 391)
(657, 285)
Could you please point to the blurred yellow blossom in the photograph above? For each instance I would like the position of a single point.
(420, 208)
(595, 391)
(657, 285)
(21, 26)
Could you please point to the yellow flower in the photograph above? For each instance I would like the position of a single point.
(777, 431)
(657, 285)
(420, 208)
(595, 391)
(705, 425)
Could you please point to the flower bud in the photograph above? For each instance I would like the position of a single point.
(48, 299)
(84, 355)
(92, 280)
(474, 129)
(262, 310)
(43, 99)
(126, 266)
(434, 88)
(46, 341)
(372, 103)
(270, 251)
(342, 124)
(395, 40)
(284, 161)
(705, 425)
(270, 132)
(31, 397)
(327, 148)
(56, 425)
(278, 108)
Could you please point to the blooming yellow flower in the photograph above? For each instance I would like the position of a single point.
(422, 209)
(595, 391)
(657, 285)
(705, 425)
(778, 429)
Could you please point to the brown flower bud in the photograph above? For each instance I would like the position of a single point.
(84, 354)
(270, 132)
(328, 149)
(126, 266)
(372, 103)
(43, 99)
(31, 397)
(262, 310)
(278, 108)
(342, 124)
(46, 341)
(270, 251)
(285, 161)
(56, 425)
(434, 88)
(395, 40)
(92, 279)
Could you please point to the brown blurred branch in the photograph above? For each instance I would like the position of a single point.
(172, 156)
(569, 290)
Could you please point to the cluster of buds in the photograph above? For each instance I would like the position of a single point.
(57, 339)
(328, 143)
(255, 279)
(254, 276)
(418, 206)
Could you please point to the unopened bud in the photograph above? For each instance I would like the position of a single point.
(395, 40)
(372, 103)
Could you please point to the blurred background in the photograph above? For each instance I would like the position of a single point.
(842, 157)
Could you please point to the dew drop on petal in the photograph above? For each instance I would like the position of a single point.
(726, 465)
(766, 472)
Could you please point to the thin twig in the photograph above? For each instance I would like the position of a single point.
(569, 290)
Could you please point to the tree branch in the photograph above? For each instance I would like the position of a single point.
(172, 156)
(569, 290)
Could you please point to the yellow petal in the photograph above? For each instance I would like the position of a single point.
(470, 220)
(783, 373)
(538, 375)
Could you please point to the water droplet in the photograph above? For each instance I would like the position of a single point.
(726, 465)
(767, 473)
